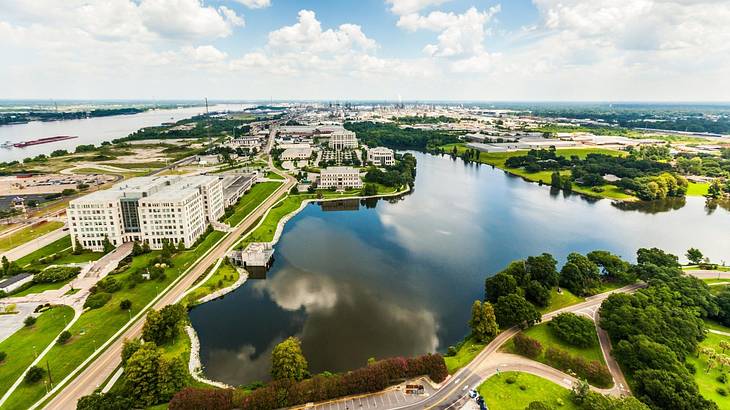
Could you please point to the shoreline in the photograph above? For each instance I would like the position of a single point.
(194, 363)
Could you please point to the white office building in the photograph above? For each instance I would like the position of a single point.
(339, 177)
(381, 156)
(151, 209)
(294, 154)
(342, 139)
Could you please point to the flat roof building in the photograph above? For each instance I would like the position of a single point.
(381, 156)
(149, 209)
(340, 178)
(293, 154)
(342, 139)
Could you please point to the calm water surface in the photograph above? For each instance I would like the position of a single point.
(90, 130)
(399, 278)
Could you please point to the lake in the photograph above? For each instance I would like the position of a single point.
(398, 277)
(90, 130)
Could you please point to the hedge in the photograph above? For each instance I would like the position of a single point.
(527, 346)
(593, 371)
(195, 399)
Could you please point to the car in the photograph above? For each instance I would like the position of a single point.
(473, 394)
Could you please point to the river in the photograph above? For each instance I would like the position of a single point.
(90, 130)
(399, 278)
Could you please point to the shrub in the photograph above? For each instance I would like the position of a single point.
(523, 387)
(527, 346)
(690, 367)
(451, 351)
(34, 375)
(510, 380)
(126, 304)
(3, 356)
(29, 321)
(63, 337)
(196, 398)
(721, 391)
(97, 300)
(56, 274)
(722, 378)
(108, 285)
(573, 329)
(593, 371)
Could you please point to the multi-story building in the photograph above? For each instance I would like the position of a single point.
(342, 139)
(246, 142)
(151, 209)
(340, 178)
(381, 156)
(299, 153)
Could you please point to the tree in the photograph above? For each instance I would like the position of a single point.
(105, 401)
(555, 179)
(125, 304)
(657, 257)
(163, 326)
(288, 361)
(77, 249)
(661, 389)
(537, 294)
(641, 353)
(369, 190)
(501, 284)
(34, 375)
(63, 337)
(172, 376)
(136, 249)
(573, 329)
(543, 268)
(129, 347)
(513, 310)
(3, 356)
(29, 321)
(611, 265)
(579, 275)
(107, 245)
(694, 255)
(5, 266)
(141, 374)
(724, 344)
(483, 322)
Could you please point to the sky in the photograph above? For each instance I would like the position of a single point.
(477, 50)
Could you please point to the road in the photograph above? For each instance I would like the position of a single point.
(107, 362)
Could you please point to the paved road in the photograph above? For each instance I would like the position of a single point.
(107, 362)
(708, 274)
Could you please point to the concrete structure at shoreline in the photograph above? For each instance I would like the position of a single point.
(342, 139)
(340, 178)
(381, 156)
(255, 254)
(150, 209)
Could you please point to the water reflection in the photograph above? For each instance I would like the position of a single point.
(652, 207)
(398, 276)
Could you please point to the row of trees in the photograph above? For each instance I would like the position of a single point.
(392, 136)
(401, 174)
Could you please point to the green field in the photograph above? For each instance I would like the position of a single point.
(225, 276)
(707, 381)
(96, 326)
(498, 159)
(697, 189)
(27, 234)
(62, 247)
(546, 337)
(251, 200)
(467, 350)
(265, 232)
(499, 395)
(274, 175)
(560, 300)
(42, 287)
(23, 345)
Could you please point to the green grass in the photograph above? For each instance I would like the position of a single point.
(546, 337)
(139, 165)
(22, 346)
(274, 175)
(27, 234)
(707, 381)
(225, 276)
(710, 324)
(251, 200)
(42, 287)
(560, 300)
(498, 159)
(96, 326)
(53, 247)
(498, 395)
(265, 232)
(63, 248)
(697, 189)
(467, 350)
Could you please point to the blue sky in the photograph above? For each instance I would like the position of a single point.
(489, 50)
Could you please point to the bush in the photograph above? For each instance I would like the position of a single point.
(34, 375)
(722, 378)
(108, 285)
(3, 356)
(126, 304)
(63, 337)
(196, 398)
(721, 391)
(523, 387)
(29, 321)
(97, 300)
(510, 380)
(56, 274)
(573, 329)
(595, 372)
(527, 346)
(690, 368)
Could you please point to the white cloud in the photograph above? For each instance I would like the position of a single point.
(255, 4)
(307, 36)
(204, 54)
(188, 19)
(402, 7)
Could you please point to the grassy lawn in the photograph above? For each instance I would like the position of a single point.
(274, 175)
(499, 395)
(251, 200)
(225, 276)
(265, 232)
(546, 337)
(96, 326)
(498, 159)
(42, 287)
(560, 300)
(697, 189)
(708, 380)
(710, 324)
(61, 247)
(22, 346)
(27, 234)
(467, 350)
(695, 267)
(53, 247)
(138, 165)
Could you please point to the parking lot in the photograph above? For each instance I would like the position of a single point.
(384, 400)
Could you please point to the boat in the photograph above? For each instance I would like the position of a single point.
(39, 141)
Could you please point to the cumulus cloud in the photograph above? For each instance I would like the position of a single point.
(307, 35)
(188, 19)
(255, 4)
(204, 54)
(402, 7)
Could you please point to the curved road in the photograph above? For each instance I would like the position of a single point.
(107, 362)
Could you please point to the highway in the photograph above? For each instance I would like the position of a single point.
(99, 370)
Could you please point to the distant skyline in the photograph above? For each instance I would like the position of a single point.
(478, 50)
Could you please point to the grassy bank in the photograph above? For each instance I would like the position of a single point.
(28, 234)
(274, 175)
(560, 300)
(96, 326)
(526, 388)
(251, 200)
(707, 380)
(546, 337)
(23, 345)
(226, 275)
(498, 159)
(466, 351)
